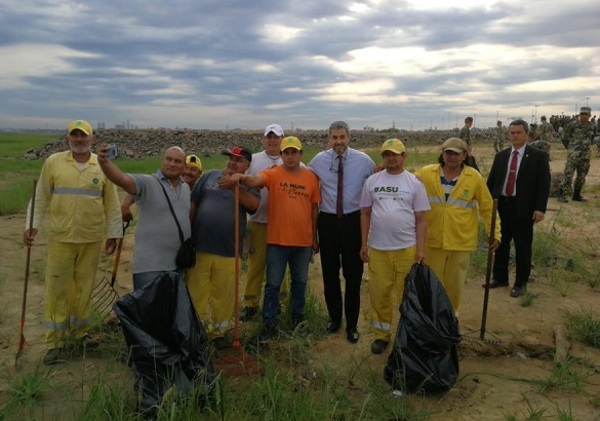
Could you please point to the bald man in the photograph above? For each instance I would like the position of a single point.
(156, 244)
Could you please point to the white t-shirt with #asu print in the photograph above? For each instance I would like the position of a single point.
(394, 200)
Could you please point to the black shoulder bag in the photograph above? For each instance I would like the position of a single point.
(186, 255)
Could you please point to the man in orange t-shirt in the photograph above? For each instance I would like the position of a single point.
(291, 234)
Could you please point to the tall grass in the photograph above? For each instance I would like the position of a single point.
(583, 327)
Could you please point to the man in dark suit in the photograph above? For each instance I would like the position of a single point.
(522, 199)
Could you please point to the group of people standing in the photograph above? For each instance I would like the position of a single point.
(337, 205)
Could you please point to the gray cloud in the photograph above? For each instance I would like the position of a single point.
(236, 63)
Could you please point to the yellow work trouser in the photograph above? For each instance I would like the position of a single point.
(212, 281)
(257, 262)
(387, 270)
(451, 268)
(70, 275)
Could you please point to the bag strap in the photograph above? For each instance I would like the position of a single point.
(171, 208)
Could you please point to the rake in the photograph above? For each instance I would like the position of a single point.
(26, 284)
(105, 293)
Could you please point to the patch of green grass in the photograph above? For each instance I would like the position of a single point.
(24, 392)
(565, 376)
(14, 145)
(583, 327)
(562, 281)
(527, 299)
(565, 414)
(108, 401)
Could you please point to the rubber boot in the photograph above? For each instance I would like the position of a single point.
(577, 196)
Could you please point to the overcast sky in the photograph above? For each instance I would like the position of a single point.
(220, 64)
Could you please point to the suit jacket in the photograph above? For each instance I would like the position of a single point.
(533, 180)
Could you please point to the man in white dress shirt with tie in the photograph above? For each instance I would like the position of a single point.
(342, 172)
(520, 180)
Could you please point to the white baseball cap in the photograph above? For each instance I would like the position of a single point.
(275, 128)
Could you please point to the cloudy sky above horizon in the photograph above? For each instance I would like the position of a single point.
(245, 64)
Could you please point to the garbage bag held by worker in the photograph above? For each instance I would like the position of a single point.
(425, 356)
(168, 345)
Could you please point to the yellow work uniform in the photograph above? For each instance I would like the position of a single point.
(257, 263)
(83, 207)
(387, 270)
(213, 277)
(453, 225)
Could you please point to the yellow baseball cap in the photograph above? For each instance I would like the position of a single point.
(193, 161)
(291, 142)
(82, 125)
(393, 145)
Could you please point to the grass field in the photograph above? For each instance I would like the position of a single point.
(17, 174)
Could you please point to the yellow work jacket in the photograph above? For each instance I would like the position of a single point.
(453, 224)
(83, 205)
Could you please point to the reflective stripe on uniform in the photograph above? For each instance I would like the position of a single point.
(450, 201)
(77, 191)
(63, 326)
(221, 325)
(381, 326)
(462, 203)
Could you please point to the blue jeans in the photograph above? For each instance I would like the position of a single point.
(278, 257)
(143, 278)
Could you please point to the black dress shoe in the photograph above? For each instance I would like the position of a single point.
(518, 291)
(496, 284)
(333, 326)
(352, 336)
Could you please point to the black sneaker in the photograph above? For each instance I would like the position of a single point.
(248, 313)
(268, 333)
(378, 346)
(220, 343)
(53, 356)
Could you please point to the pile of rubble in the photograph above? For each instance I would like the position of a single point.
(150, 142)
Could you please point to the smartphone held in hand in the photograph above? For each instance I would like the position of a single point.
(111, 152)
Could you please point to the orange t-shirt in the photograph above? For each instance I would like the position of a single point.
(291, 198)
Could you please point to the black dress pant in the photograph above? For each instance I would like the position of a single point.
(339, 240)
(519, 230)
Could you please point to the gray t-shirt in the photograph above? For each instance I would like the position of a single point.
(213, 228)
(156, 235)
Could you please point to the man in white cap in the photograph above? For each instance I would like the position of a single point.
(393, 228)
(83, 209)
(257, 223)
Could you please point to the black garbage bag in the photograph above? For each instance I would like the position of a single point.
(167, 342)
(425, 355)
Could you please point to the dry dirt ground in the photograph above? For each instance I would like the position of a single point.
(497, 378)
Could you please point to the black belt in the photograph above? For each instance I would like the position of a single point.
(346, 215)
(507, 198)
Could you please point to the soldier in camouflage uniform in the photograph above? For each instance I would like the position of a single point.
(500, 136)
(577, 137)
(465, 134)
(546, 130)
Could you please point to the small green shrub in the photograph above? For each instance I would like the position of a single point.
(583, 327)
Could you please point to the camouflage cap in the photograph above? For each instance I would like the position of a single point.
(587, 110)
